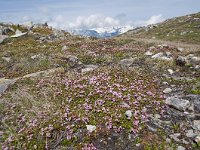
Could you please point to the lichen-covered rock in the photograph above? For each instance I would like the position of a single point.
(178, 103)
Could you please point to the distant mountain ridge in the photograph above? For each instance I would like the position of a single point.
(105, 32)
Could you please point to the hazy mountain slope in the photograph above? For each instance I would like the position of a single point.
(184, 29)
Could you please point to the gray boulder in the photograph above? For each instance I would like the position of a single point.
(178, 103)
(5, 83)
(163, 56)
(125, 63)
(181, 61)
(5, 30)
(2, 38)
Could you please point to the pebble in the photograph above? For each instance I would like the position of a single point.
(167, 90)
(91, 128)
(170, 71)
(148, 53)
(128, 114)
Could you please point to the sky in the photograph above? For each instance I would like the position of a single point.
(87, 14)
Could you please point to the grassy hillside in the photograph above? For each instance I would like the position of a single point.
(183, 29)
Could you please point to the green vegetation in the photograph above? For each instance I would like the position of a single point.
(182, 29)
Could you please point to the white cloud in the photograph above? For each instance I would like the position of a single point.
(152, 20)
(83, 22)
(99, 21)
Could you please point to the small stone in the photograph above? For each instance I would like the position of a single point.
(165, 83)
(128, 114)
(35, 56)
(91, 128)
(179, 49)
(180, 148)
(138, 144)
(148, 53)
(6, 59)
(167, 90)
(197, 67)
(170, 71)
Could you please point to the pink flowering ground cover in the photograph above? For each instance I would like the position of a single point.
(55, 111)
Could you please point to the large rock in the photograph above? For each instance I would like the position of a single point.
(5, 30)
(2, 38)
(88, 68)
(163, 56)
(18, 35)
(178, 103)
(125, 63)
(5, 83)
(181, 61)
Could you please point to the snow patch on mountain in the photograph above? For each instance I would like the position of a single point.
(105, 32)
